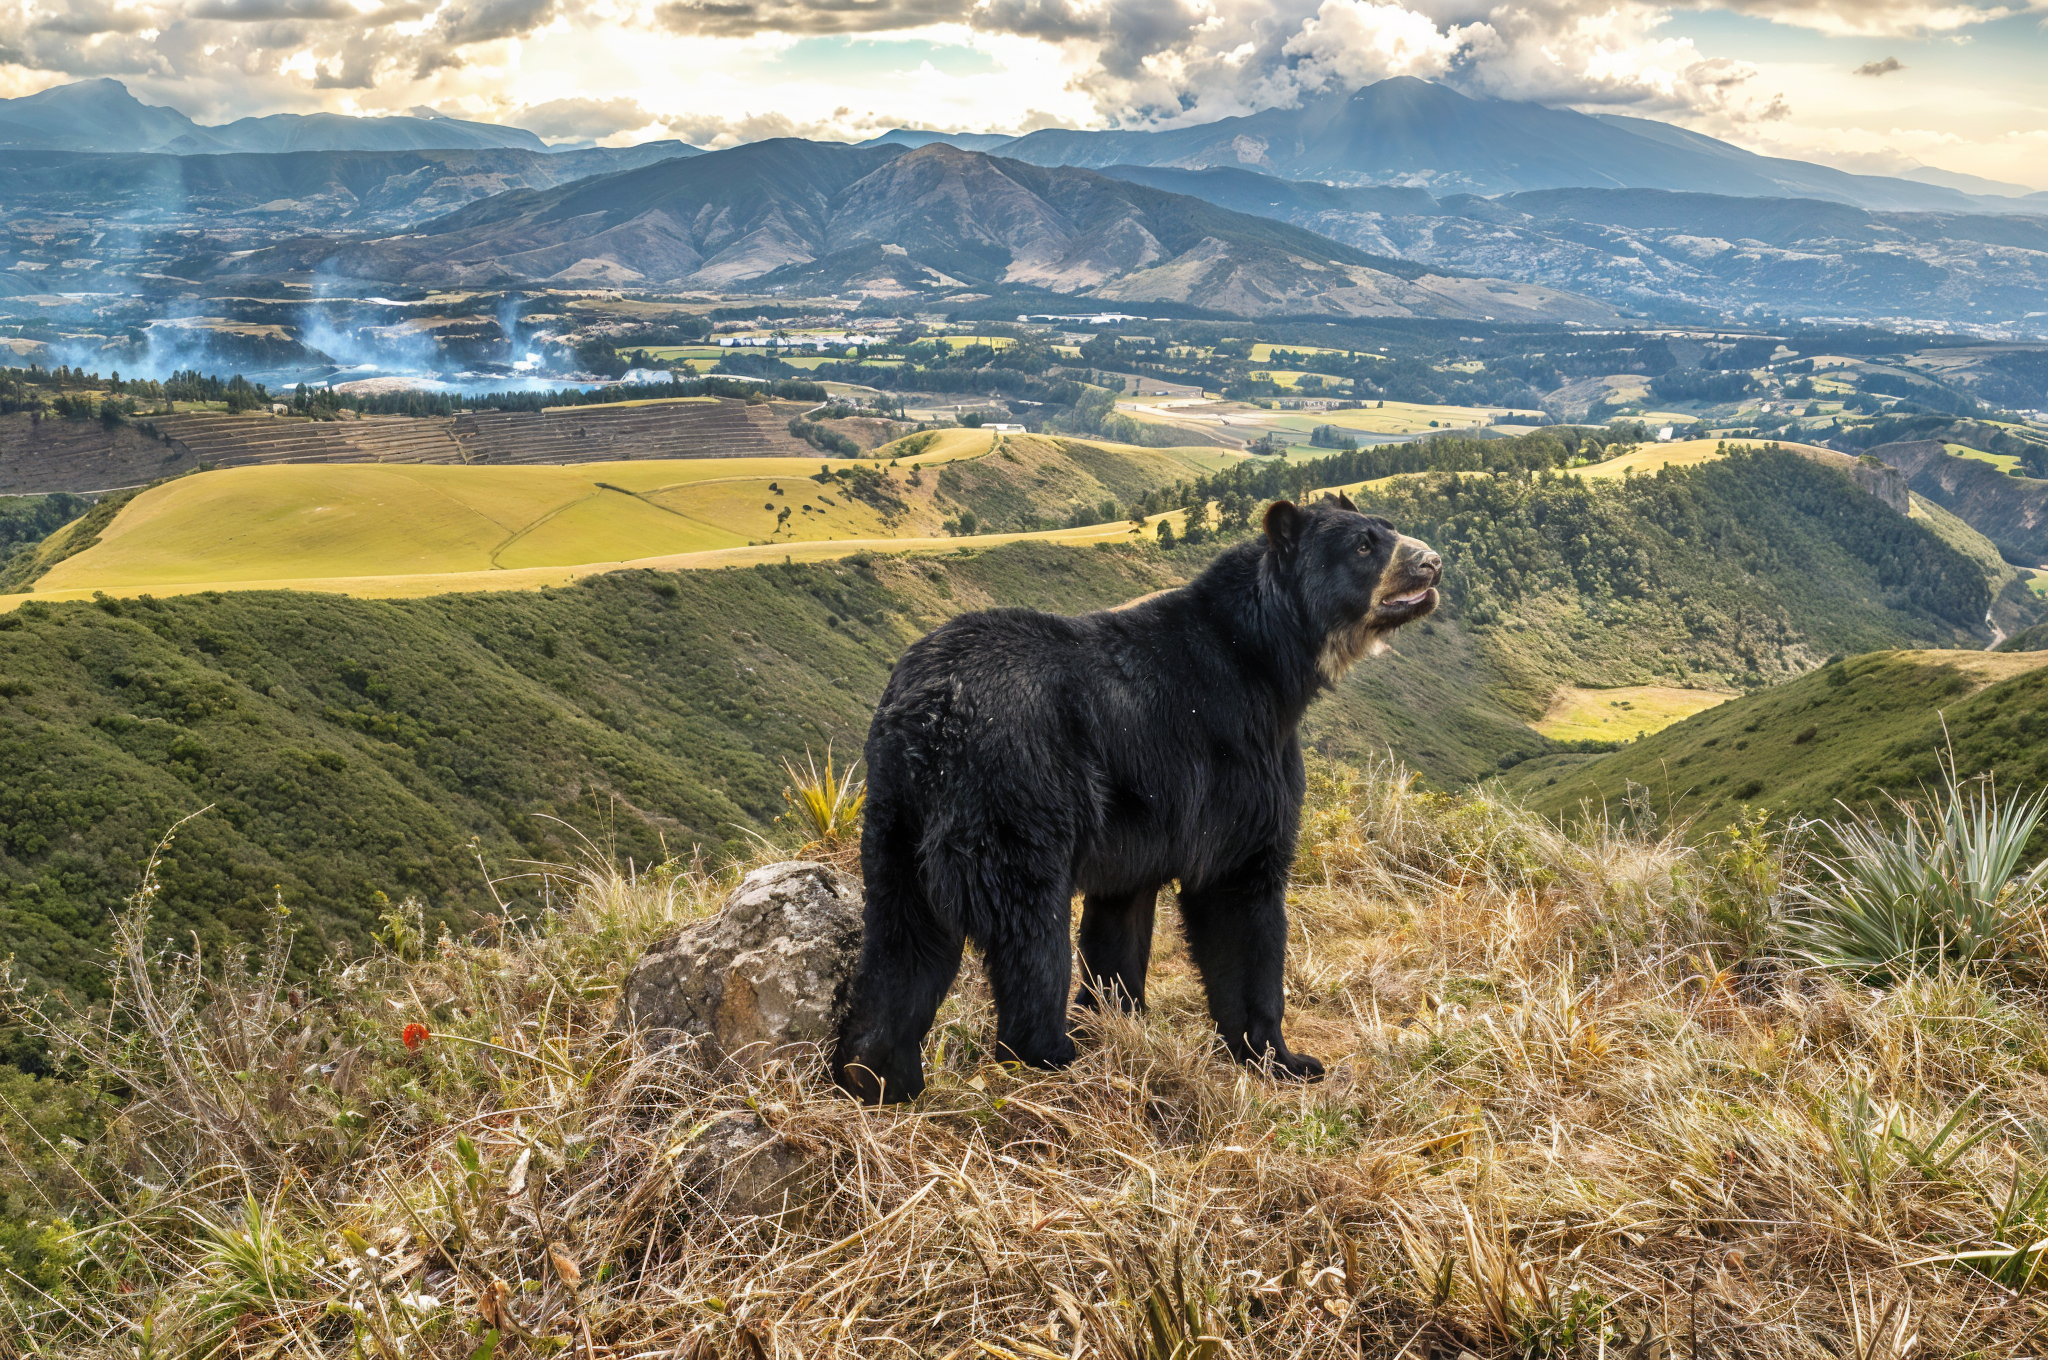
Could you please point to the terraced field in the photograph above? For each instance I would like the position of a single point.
(397, 528)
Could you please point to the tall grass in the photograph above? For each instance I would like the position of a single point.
(1566, 1115)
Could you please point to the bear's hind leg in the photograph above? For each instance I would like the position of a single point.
(1237, 932)
(1116, 948)
(1030, 969)
(909, 955)
(903, 976)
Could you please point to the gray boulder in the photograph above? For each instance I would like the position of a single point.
(740, 1167)
(771, 969)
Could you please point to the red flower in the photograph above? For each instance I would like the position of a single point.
(415, 1035)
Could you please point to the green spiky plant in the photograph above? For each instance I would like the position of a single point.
(1929, 889)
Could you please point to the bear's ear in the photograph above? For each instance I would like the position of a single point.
(1342, 502)
(1284, 522)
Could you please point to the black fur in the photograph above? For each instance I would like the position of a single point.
(1019, 757)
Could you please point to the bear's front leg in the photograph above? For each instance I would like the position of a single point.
(1237, 931)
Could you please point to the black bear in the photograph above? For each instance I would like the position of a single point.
(1017, 758)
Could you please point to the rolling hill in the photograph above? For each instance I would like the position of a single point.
(1655, 247)
(352, 747)
(382, 528)
(1851, 732)
(883, 221)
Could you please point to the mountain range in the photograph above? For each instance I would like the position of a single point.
(101, 115)
(886, 221)
(1670, 252)
(1415, 133)
(1402, 131)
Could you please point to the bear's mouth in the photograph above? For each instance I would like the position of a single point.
(1405, 605)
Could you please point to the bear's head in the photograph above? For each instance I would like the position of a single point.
(1357, 577)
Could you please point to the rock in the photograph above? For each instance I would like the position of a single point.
(770, 970)
(741, 1168)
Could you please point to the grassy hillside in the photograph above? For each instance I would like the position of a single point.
(1852, 731)
(350, 747)
(321, 522)
(1735, 573)
(1567, 1115)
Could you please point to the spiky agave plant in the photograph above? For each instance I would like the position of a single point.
(1929, 889)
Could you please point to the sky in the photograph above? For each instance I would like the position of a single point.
(1878, 86)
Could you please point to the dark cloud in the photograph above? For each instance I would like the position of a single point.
(89, 18)
(271, 11)
(745, 18)
(1881, 68)
(583, 117)
(489, 20)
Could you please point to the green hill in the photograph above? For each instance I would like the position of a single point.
(350, 747)
(1732, 574)
(1851, 732)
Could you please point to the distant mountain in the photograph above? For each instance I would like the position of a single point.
(293, 132)
(1412, 132)
(883, 221)
(1969, 184)
(281, 194)
(1651, 249)
(101, 115)
(90, 115)
(916, 137)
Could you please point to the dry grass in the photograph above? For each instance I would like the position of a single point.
(1573, 1109)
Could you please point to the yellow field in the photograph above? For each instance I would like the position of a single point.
(412, 585)
(1263, 353)
(1690, 452)
(2004, 462)
(1291, 378)
(1619, 714)
(1396, 417)
(414, 529)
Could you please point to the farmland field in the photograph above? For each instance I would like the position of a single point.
(1619, 714)
(2004, 462)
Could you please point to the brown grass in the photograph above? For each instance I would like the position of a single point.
(1566, 1115)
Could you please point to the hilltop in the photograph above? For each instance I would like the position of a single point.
(101, 115)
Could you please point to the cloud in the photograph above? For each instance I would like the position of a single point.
(90, 18)
(268, 11)
(1881, 68)
(584, 118)
(1877, 18)
(807, 18)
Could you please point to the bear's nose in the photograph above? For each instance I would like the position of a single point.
(1433, 563)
